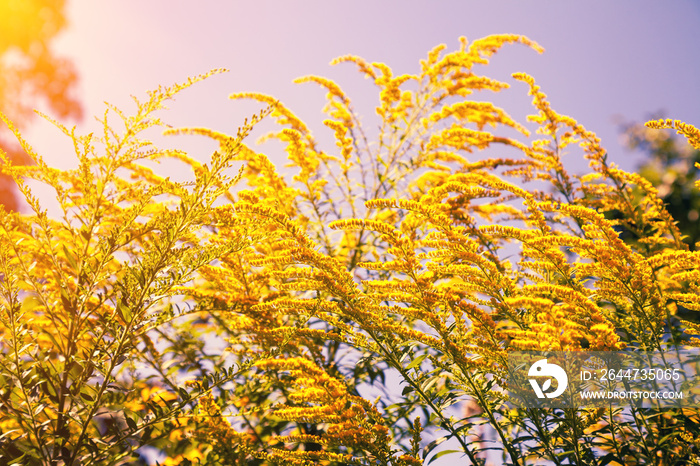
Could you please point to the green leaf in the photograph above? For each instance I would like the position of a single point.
(85, 395)
(431, 446)
(609, 458)
(124, 310)
(70, 258)
(66, 301)
(39, 409)
(443, 453)
(417, 361)
(131, 423)
(429, 382)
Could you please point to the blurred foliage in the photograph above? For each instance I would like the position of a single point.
(31, 74)
(670, 165)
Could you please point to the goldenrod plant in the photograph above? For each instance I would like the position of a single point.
(356, 306)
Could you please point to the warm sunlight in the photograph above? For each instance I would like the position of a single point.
(405, 257)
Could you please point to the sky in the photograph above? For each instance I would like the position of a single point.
(603, 60)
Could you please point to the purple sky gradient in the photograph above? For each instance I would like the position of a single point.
(602, 59)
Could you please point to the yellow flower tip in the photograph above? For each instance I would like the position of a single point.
(520, 76)
(291, 134)
(463, 43)
(690, 132)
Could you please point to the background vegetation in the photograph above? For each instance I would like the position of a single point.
(31, 73)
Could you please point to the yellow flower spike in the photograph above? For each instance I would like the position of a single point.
(480, 113)
(343, 142)
(363, 66)
(338, 104)
(689, 131)
(282, 114)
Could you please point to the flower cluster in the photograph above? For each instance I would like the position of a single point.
(250, 316)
